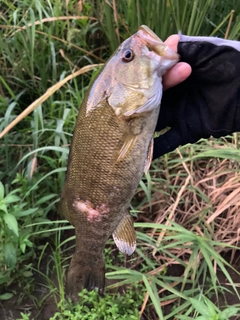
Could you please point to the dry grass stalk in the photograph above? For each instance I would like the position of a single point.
(46, 95)
(172, 212)
(52, 19)
(202, 197)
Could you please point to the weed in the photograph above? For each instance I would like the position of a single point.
(93, 307)
(25, 316)
(204, 309)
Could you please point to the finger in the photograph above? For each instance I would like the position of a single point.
(180, 72)
(172, 41)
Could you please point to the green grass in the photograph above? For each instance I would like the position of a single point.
(181, 221)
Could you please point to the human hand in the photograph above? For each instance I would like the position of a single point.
(207, 103)
(180, 71)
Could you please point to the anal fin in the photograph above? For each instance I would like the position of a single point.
(125, 235)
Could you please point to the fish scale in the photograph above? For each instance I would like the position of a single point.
(111, 146)
(98, 177)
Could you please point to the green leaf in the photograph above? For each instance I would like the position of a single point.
(229, 312)
(3, 207)
(11, 222)
(23, 247)
(6, 296)
(27, 274)
(211, 308)
(24, 213)
(10, 255)
(151, 288)
(10, 198)
(200, 307)
(1, 191)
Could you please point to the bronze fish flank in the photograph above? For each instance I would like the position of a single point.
(111, 147)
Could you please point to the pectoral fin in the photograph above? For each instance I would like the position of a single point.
(125, 148)
(133, 129)
(125, 236)
(149, 156)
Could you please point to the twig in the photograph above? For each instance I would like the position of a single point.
(46, 95)
(50, 19)
(229, 24)
(172, 213)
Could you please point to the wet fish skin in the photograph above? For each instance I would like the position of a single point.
(110, 148)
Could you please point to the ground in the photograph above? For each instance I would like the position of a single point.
(11, 309)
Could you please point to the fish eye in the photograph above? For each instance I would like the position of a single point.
(128, 56)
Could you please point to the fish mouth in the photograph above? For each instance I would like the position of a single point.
(155, 44)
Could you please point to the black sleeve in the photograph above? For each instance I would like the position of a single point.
(208, 102)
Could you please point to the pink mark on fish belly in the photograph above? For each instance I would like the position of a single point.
(91, 213)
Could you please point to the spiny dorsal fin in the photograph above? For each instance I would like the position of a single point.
(125, 236)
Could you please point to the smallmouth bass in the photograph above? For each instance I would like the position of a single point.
(111, 147)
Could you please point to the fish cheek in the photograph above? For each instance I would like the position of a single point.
(135, 101)
(123, 99)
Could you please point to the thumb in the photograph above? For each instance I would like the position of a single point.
(167, 142)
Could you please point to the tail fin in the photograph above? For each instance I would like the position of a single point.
(83, 273)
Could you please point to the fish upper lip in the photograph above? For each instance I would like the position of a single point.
(145, 29)
(151, 40)
(148, 37)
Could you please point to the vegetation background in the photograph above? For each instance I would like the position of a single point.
(186, 209)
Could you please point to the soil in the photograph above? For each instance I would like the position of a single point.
(224, 299)
(11, 309)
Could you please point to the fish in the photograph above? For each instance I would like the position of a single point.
(111, 148)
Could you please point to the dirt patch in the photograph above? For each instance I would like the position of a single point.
(11, 309)
(229, 298)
